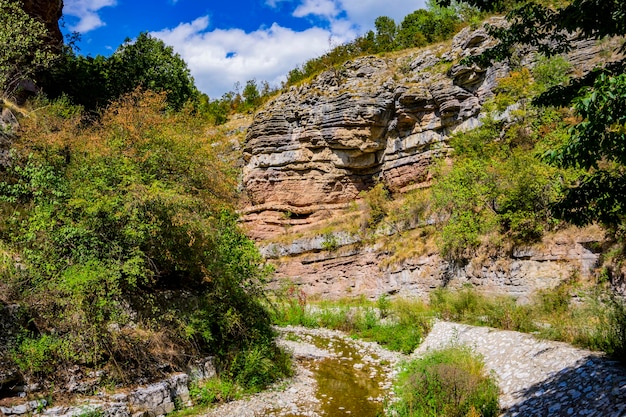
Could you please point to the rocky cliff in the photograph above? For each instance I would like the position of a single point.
(48, 12)
(312, 150)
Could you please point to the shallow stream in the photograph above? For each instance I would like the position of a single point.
(351, 380)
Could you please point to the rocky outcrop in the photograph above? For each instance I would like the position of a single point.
(153, 400)
(313, 149)
(362, 269)
(49, 12)
(316, 147)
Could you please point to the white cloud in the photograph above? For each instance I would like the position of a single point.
(323, 8)
(87, 13)
(220, 58)
(274, 3)
(360, 13)
(363, 12)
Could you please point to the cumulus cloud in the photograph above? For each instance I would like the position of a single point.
(87, 13)
(219, 58)
(361, 13)
(323, 8)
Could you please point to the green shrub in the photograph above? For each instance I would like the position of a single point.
(214, 390)
(450, 382)
(258, 366)
(401, 330)
(377, 200)
(550, 72)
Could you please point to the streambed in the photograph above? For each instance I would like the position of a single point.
(335, 376)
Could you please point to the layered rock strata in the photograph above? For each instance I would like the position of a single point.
(360, 269)
(313, 149)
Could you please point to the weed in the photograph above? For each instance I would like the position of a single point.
(402, 329)
(214, 390)
(330, 242)
(450, 382)
(383, 303)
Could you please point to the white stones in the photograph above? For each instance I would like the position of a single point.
(539, 377)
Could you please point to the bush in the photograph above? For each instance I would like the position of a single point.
(23, 46)
(450, 382)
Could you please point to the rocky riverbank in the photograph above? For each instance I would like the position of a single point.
(337, 375)
(536, 377)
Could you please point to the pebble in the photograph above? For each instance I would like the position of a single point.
(538, 377)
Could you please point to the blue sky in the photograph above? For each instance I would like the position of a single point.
(229, 41)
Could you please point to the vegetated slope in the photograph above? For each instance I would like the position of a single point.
(122, 260)
(405, 172)
(121, 257)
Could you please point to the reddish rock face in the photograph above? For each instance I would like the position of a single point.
(49, 12)
(314, 148)
(319, 145)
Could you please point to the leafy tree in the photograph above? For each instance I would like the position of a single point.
(95, 82)
(84, 79)
(23, 47)
(597, 142)
(386, 31)
(251, 95)
(426, 26)
(131, 252)
(147, 62)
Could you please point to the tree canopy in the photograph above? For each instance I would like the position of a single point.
(145, 62)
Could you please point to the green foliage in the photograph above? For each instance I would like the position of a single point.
(419, 28)
(257, 367)
(550, 72)
(23, 46)
(597, 146)
(427, 26)
(598, 98)
(251, 95)
(377, 199)
(145, 62)
(468, 306)
(595, 321)
(497, 184)
(214, 390)
(466, 195)
(400, 328)
(131, 249)
(448, 382)
(386, 30)
(330, 242)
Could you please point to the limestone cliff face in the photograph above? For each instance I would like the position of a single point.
(312, 150)
(315, 147)
(362, 269)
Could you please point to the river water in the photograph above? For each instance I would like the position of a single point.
(354, 378)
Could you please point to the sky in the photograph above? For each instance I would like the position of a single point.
(230, 41)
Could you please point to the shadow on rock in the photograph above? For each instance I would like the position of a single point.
(595, 386)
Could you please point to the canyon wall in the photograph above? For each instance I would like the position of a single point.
(311, 151)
